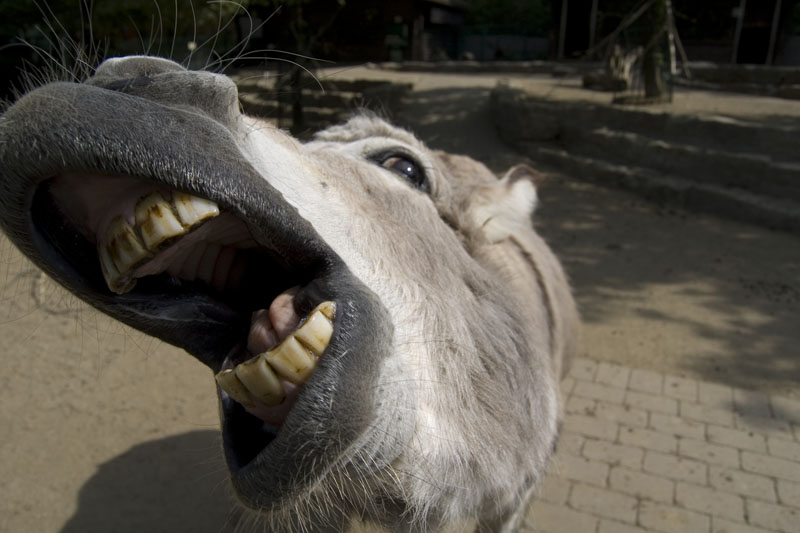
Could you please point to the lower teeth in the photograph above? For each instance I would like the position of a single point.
(258, 381)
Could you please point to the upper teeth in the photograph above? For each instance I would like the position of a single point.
(157, 220)
(258, 380)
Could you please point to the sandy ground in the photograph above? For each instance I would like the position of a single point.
(106, 430)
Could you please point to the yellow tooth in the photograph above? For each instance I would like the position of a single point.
(229, 382)
(259, 378)
(115, 281)
(192, 209)
(315, 334)
(123, 246)
(156, 221)
(291, 360)
(328, 309)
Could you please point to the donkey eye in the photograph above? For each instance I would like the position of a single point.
(407, 168)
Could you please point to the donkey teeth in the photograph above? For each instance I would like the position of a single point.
(192, 209)
(315, 334)
(258, 379)
(121, 251)
(291, 360)
(230, 383)
(156, 221)
(116, 282)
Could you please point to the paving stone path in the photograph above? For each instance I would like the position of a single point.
(643, 451)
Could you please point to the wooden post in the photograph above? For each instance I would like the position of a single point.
(673, 67)
(593, 24)
(562, 32)
(773, 36)
(656, 21)
(738, 34)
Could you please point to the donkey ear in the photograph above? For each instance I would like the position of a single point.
(505, 208)
(524, 172)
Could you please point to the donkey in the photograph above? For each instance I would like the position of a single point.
(385, 327)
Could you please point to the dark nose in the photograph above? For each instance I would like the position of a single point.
(169, 83)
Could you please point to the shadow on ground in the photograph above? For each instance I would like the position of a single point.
(660, 288)
(167, 485)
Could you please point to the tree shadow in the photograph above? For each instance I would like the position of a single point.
(173, 484)
(672, 290)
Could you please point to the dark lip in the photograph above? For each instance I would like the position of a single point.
(179, 149)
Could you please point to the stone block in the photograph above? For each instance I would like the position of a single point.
(771, 466)
(710, 501)
(678, 427)
(785, 449)
(668, 519)
(737, 438)
(773, 517)
(598, 391)
(742, 483)
(673, 467)
(641, 485)
(582, 469)
(545, 517)
(709, 453)
(680, 388)
(651, 402)
(706, 413)
(612, 375)
(613, 454)
(646, 381)
(648, 439)
(590, 426)
(789, 493)
(603, 503)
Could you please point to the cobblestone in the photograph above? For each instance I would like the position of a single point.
(641, 485)
(604, 503)
(679, 427)
(659, 404)
(705, 413)
(675, 467)
(648, 439)
(710, 501)
(771, 466)
(647, 452)
(681, 388)
(743, 483)
(774, 517)
(582, 469)
(710, 453)
(744, 440)
(784, 448)
(751, 404)
(668, 519)
(614, 454)
(789, 493)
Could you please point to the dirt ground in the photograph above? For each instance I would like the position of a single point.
(106, 430)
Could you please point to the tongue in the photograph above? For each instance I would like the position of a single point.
(269, 327)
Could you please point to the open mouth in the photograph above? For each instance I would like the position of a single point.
(166, 244)
(219, 263)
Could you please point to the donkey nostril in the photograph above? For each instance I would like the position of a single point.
(120, 68)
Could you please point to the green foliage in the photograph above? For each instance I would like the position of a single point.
(116, 27)
(517, 17)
